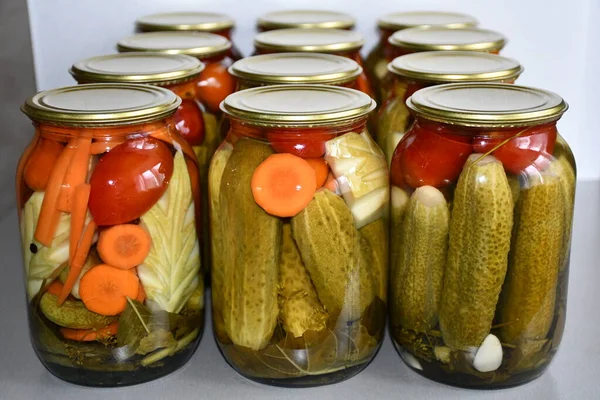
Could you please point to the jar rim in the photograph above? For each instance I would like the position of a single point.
(410, 19)
(196, 44)
(185, 21)
(306, 19)
(309, 40)
(439, 38)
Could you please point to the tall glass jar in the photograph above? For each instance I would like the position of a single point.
(298, 207)
(376, 62)
(198, 21)
(331, 41)
(482, 209)
(416, 71)
(107, 196)
(305, 19)
(178, 73)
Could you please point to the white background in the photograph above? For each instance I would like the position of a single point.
(556, 41)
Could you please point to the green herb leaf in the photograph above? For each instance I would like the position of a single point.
(158, 339)
(136, 323)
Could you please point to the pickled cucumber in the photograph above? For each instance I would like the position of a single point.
(300, 308)
(529, 292)
(399, 204)
(479, 242)
(71, 314)
(393, 124)
(329, 245)
(419, 269)
(251, 251)
(374, 237)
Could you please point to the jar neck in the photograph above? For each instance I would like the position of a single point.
(424, 124)
(185, 90)
(226, 33)
(239, 129)
(104, 133)
(218, 58)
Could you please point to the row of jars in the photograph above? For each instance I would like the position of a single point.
(307, 232)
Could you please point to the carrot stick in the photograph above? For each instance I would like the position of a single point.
(49, 212)
(163, 135)
(78, 260)
(103, 147)
(55, 287)
(76, 173)
(78, 213)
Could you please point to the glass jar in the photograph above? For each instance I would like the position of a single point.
(416, 71)
(298, 200)
(178, 73)
(331, 41)
(438, 39)
(216, 23)
(107, 197)
(482, 209)
(305, 19)
(214, 82)
(376, 62)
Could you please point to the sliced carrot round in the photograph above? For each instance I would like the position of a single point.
(89, 335)
(283, 184)
(124, 246)
(321, 170)
(104, 289)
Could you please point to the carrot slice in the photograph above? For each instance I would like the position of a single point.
(124, 246)
(49, 212)
(78, 260)
(104, 147)
(76, 173)
(55, 288)
(283, 184)
(79, 211)
(321, 170)
(89, 335)
(163, 135)
(39, 164)
(104, 289)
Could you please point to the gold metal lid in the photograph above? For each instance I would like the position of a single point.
(433, 38)
(101, 104)
(306, 19)
(309, 40)
(411, 19)
(280, 68)
(489, 105)
(298, 105)
(137, 67)
(185, 21)
(196, 44)
(455, 66)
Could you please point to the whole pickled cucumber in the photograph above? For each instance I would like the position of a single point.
(71, 314)
(527, 303)
(419, 270)
(329, 245)
(300, 308)
(479, 242)
(374, 237)
(251, 251)
(399, 204)
(393, 124)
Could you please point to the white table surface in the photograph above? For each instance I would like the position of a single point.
(574, 374)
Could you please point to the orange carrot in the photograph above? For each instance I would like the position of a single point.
(163, 135)
(124, 246)
(103, 147)
(40, 162)
(321, 170)
(55, 288)
(141, 297)
(104, 289)
(89, 335)
(283, 184)
(76, 173)
(79, 211)
(49, 212)
(79, 257)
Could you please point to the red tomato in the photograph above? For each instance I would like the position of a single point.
(214, 84)
(522, 152)
(426, 157)
(129, 180)
(304, 144)
(190, 122)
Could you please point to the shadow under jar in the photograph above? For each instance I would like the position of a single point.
(376, 62)
(416, 71)
(216, 23)
(107, 195)
(481, 216)
(305, 19)
(298, 199)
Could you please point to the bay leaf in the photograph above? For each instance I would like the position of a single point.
(158, 339)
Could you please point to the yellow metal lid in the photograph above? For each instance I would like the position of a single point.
(298, 105)
(185, 21)
(196, 44)
(412, 19)
(101, 104)
(280, 68)
(489, 105)
(306, 19)
(455, 66)
(433, 38)
(309, 40)
(137, 67)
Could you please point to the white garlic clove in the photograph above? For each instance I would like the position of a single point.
(489, 355)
